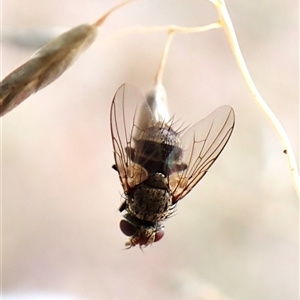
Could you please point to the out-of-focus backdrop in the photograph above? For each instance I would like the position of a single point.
(235, 236)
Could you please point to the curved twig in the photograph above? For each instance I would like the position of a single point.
(226, 23)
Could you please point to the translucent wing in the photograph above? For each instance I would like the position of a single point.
(202, 144)
(135, 124)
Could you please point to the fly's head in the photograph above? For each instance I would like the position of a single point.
(141, 233)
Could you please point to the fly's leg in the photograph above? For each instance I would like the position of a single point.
(144, 236)
(123, 206)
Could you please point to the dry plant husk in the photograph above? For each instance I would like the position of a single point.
(46, 65)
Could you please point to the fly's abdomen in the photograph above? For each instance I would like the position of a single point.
(157, 150)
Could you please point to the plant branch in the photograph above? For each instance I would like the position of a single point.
(48, 63)
(166, 28)
(226, 23)
(100, 21)
(161, 69)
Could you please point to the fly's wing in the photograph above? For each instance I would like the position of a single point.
(129, 117)
(201, 146)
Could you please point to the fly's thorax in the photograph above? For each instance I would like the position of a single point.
(151, 200)
(158, 181)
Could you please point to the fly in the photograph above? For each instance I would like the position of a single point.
(158, 165)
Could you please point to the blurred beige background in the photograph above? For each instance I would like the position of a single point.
(235, 236)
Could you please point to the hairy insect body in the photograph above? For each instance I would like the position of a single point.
(150, 202)
(157, 164)
(158, 151)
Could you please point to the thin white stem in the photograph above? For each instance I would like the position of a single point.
(167, 28)
(177, 29)
(161, 69)
(226, 23)
(100, 21)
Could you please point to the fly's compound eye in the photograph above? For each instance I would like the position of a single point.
(129, 230)
(159, 235)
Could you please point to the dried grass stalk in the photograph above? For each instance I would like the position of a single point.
(46, 65)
